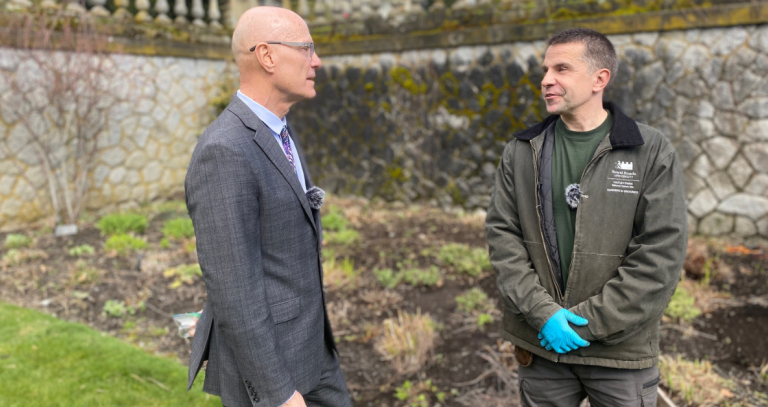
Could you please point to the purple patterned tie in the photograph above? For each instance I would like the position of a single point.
(287, 146)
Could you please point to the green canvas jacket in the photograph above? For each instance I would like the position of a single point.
(630, 242)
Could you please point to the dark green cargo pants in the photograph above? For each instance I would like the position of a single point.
(551, 384)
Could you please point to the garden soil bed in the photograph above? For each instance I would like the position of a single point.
(469, 364)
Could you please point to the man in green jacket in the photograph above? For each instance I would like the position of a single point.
(587, 232)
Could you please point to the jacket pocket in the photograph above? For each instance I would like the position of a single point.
(285, 310)
(589, 274)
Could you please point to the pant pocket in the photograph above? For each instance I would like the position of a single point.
(650, 393)
(523, 401)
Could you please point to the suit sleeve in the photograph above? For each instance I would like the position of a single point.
(647, 277)
(516, 277)
(223, 201)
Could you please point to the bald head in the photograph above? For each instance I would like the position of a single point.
(260, 24)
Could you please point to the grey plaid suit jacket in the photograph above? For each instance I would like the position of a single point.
(264, 329)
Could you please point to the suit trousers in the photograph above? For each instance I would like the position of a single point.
(331, 391)
(550, 384)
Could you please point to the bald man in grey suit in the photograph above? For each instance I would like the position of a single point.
(264, 329)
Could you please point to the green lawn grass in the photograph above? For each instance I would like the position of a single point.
(48, 362)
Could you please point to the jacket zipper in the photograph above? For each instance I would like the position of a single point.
(581, 180)
(538, 213)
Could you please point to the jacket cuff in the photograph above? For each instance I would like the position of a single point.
(289, 399)
(541, 313)
(583, 331)
(277, 397)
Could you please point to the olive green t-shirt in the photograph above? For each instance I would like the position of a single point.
(572, 152)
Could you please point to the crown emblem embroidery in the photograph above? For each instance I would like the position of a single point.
(625, 165)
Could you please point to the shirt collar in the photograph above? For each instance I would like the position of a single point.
(270, 119)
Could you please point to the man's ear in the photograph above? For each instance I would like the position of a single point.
(265, 57)
(601, 79)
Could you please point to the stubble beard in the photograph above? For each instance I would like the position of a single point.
(559, 107)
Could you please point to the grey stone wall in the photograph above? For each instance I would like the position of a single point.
(142, 155)
(430, 125)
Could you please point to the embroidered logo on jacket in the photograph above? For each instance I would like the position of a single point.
(623, 179)
(625, 165)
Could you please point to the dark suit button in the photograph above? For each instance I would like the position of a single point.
(247, 382)
(256, 399)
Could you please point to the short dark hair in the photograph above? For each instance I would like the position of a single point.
(598, 49)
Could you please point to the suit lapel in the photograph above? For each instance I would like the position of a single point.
(307, 177)
(272, 149)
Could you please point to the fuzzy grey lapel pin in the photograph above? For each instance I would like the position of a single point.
(315, 196)
(573, 195)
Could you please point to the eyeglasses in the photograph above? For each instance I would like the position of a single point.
(309, 45)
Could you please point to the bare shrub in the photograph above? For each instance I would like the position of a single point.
(340, 274)
(497, 385)
(61, 94)
(407, 341)
(694, 381)
(338, 314)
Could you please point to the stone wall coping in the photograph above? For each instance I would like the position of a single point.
(668, 20)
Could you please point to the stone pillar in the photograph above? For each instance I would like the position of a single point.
(236, 8)
(162, 8)
(97, 8)
(121, 10)
(143, 15)
(198, 12)
(319, 11)
(303, 9)
(214, 14)
(180, 9)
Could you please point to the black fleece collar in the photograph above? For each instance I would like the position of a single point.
(624, 132)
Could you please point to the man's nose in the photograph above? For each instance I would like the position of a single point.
(315, 62)
(548, 80)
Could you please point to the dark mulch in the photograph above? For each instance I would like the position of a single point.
(389, 234)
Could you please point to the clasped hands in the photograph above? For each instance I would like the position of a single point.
(557, 335)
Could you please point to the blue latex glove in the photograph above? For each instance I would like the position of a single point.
(557, 335)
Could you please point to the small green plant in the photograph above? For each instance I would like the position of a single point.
(17, 241)
(465, 259)
(340, 274)
(159, 331)
(122, 243)
(334, 221)
(165, 243)
(84, 274)
(682, 306)
(171, 207)
(344, 237)
(117, 309)
(114, 309)
(82, 250)
(484, 319)
(419, 394)
(15, 257)
(179, 228)
(337, 228)
(403, 392)
(184, 274)
(472, 300)
(121, 223)
(387, 277)
(426, 277)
